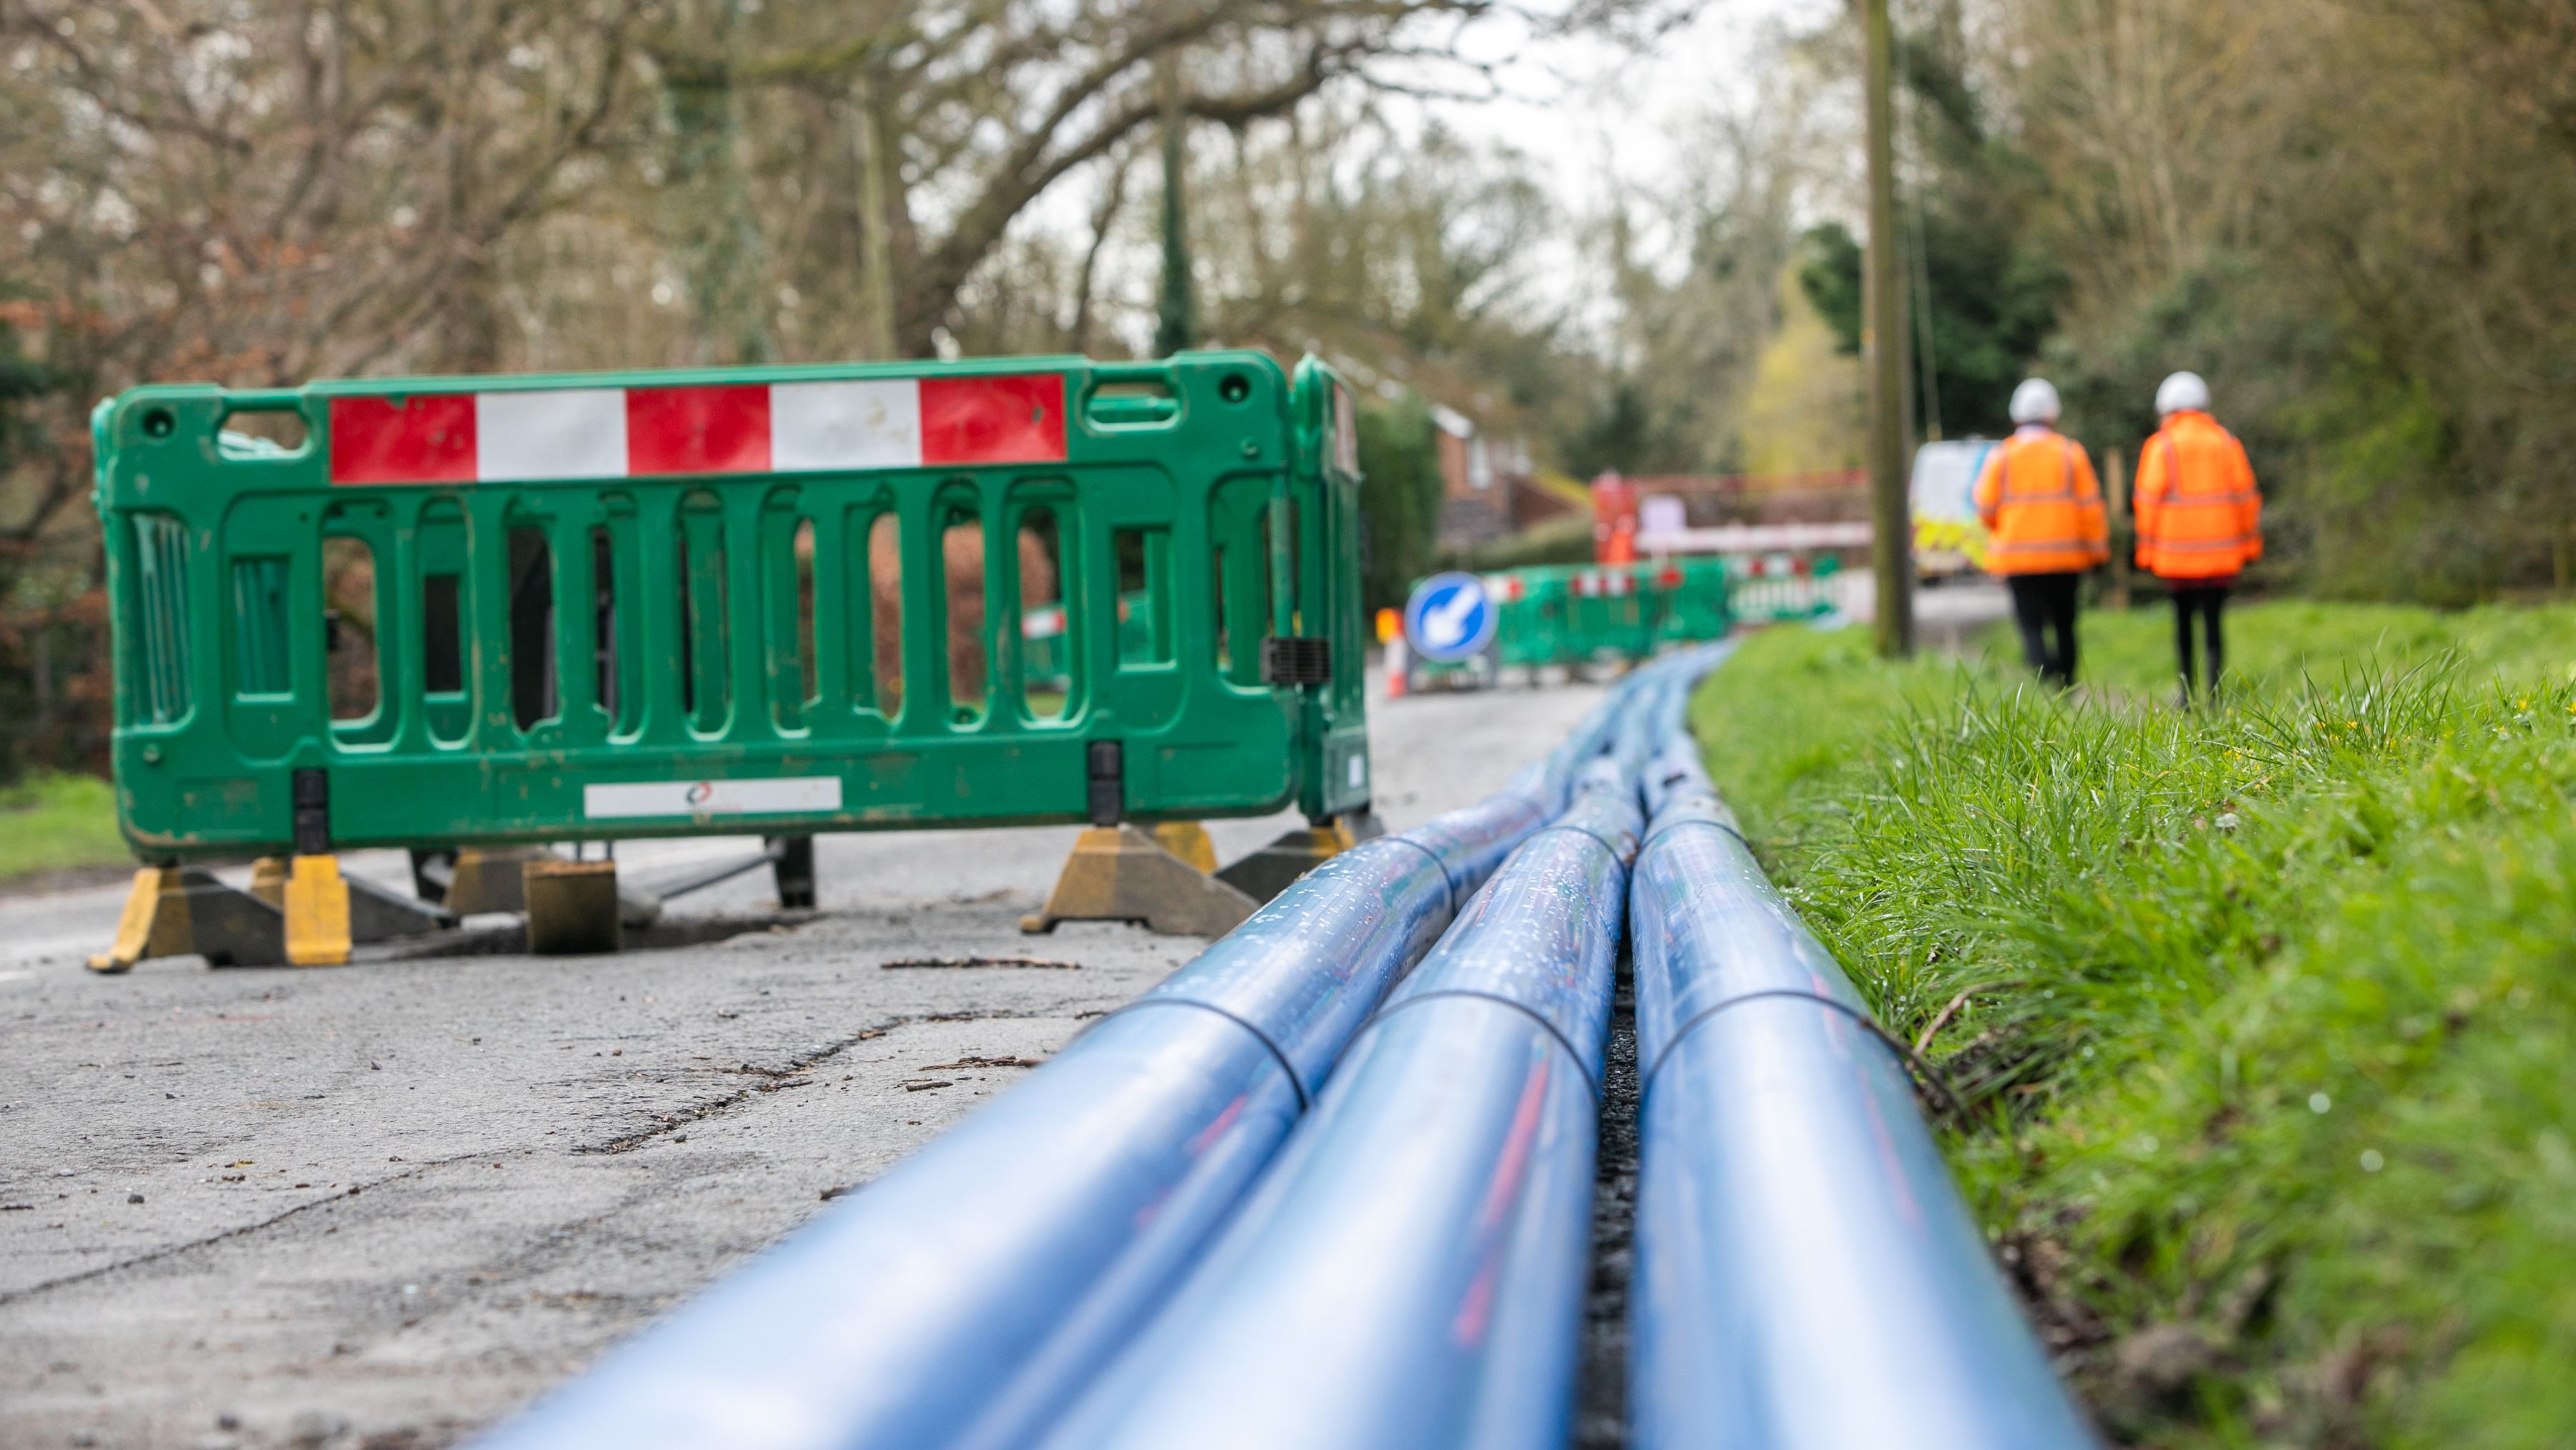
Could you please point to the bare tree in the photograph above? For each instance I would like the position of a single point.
(985, 106)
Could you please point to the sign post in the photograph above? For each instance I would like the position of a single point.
(1449, 618)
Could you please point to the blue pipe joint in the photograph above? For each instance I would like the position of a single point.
(1410, 1273)
(1543, 937)
(1471, 844)
(1806, 1276)
(1412, 1270)
(1306, 970)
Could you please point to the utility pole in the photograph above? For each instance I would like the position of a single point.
(2118, 482)
(1175, 319)
(1892, 535)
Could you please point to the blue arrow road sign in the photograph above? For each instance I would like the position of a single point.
(1449, 617)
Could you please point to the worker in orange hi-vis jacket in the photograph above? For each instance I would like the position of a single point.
(2044, 527)
(2200, 517)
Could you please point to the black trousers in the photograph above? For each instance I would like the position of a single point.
(2209, 602)
(2044, 606)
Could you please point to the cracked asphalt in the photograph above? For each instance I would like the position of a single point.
(385, 1205)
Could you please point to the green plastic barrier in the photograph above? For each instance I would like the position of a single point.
(1782, 591)
(772, 600)
(1608, 612)
(1691, 601)
(1529, 629)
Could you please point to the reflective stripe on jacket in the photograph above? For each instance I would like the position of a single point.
(2199, 513)
(2042, 506)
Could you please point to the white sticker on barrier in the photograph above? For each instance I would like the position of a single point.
(1359, 771)
(796, 795)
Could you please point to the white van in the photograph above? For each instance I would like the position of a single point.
(1949, 538)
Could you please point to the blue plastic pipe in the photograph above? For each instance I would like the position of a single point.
(1806, 1277)
(1411, 1272)
(962, 1298)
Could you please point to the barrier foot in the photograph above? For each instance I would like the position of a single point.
(1267, 872)
(637, 907)
(1123, 873)
(174, 911)
(573, 907)
(317, 912)
(136, 923)
(376, 914)
(485, 878)
(1189, 841)
(793, 870)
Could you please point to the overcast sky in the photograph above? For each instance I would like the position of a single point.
(1588, 111)
(1592, 117)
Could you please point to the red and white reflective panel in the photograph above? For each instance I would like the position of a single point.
(818, 427)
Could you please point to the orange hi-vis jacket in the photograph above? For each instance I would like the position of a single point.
(2199, 515)
(2042, 506)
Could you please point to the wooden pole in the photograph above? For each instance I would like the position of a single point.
(1176, 311)
(2116, 479)
(1892, 538)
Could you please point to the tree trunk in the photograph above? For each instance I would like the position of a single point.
(878, 182)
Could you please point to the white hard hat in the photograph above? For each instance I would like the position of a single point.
(2035, 401)
(2183, 393)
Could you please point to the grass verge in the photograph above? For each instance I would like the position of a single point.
(2264, 1017)
(58, 823)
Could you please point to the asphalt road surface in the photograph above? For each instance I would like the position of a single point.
(384, 1205)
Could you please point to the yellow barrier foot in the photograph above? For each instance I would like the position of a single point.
(1123, 873)
(174, 911)
(268, 880)
(375, 913)
(572, 906)
(317, 913)
(137, 923)
(1189, 841)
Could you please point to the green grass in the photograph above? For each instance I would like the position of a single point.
(2271, 645)
(2267, 1016)
(57, 822)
